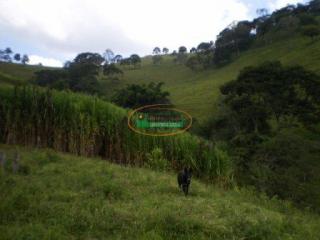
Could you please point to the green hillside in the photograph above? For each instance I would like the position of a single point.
(195, 92)
(18, 71)
(56, 196)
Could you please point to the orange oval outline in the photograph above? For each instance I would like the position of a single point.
(163, 134)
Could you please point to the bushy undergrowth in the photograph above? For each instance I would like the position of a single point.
(68, 197)
(156, 160)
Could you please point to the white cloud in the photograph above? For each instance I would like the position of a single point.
(34, 60)
(62, 28)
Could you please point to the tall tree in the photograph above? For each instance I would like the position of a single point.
(17, 57)
(5, 54)
(135, 60)
(165, 50)
(205, 46)
(156, 51)
(8, 51)
(25, 59)
(89, 58)
(117, 58)
(182, 49)
(108, 56)
(262, 12)
(193, 50)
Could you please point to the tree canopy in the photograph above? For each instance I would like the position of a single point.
(135, 95)
(78, 75)
(156, 50)
(273, 91)
(89, 58)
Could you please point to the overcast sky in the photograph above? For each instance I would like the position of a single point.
(52, 32)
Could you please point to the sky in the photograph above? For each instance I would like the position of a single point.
(52, 32)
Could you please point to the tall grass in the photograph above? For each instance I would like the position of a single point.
(65, 197)
(88, 126)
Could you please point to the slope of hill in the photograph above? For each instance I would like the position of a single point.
(195, 92)
(11, 73)
(55, 196)
(19, 71)
(198, 92)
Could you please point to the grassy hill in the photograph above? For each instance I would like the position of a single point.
(195, 92)
(56, 196)
(17, 72)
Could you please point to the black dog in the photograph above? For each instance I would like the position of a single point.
(184, 180)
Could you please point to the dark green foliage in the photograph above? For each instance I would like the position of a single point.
(117, 58)
(174, 53)
(89, 58)
(232, 40)
(203, 57)
(165, 50)
(282, 23)
(288, 24)
(285, 22)
(311, 31)
(108, 57)
(204, 46)
(80, 75)
(156, 51)
(140, 95)
(135, 60)
(267, 116)
(193, 50)
(307, 19)
(125, 62)
(182, 49)
(112, 71)
(314, 6)
(222, 55)
(53, 78)
(17, 57)
(5, 55)
(287, 165)
(273, 91)
(200, 61)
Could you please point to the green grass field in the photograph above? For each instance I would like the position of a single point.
(55, 196)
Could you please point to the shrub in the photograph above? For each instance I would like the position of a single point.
(311, 31)
(156, 160)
